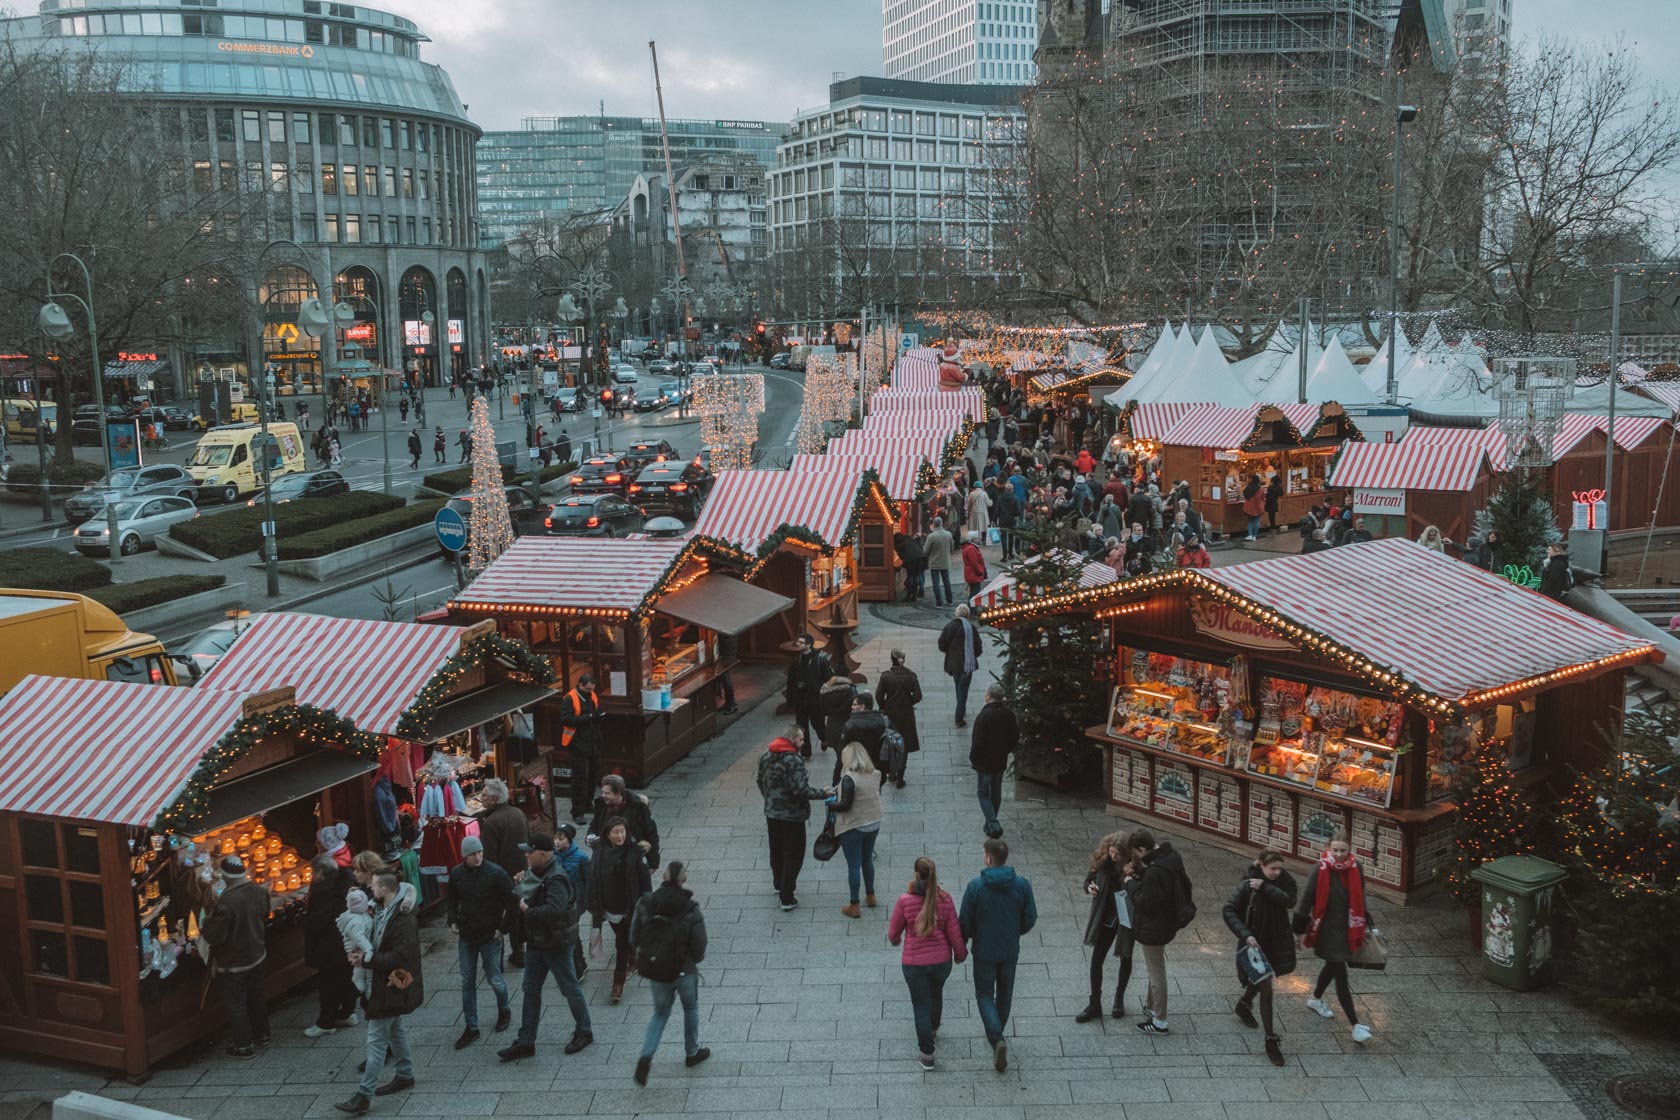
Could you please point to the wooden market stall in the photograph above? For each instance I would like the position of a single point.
(123, 799)
(1270, 704)
(643, 618)
(425, 690)
(1402, 488)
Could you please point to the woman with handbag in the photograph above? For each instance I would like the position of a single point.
(1335, 923)
(857, 822)
(617, 881)
(925, 919)
(1258, 913)
(1110, 864)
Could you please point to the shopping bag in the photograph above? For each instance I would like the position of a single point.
(1372, 953)
(827, 843)
(1252, 964)
(994, 535)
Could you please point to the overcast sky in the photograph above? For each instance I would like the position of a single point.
(764, 59)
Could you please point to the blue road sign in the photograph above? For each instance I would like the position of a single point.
(451, 529)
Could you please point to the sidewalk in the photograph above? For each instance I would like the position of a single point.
(806, 1013)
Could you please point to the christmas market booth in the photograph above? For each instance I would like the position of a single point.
(122, 802)
(448, 702)
(643, 617)
(1217, 450)
(1271, 704)
(1402, 488)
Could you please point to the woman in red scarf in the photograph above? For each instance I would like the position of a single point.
(1334, 920)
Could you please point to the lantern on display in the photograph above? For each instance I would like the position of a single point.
(951, 372)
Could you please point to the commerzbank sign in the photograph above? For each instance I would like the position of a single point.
(230, 47)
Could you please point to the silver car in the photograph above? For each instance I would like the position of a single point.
(128, 484)
(139, 523)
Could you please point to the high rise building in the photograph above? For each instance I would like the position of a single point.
(559, 166)
(960, 42)
(1473, 25)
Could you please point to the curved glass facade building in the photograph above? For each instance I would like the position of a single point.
(364, 151)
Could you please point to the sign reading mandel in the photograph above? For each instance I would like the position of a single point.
(1225, 622)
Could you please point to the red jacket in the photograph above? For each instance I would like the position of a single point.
(1116, 485)
(1194, 558)
(1084, 464)
(974, 564)
(944, 942)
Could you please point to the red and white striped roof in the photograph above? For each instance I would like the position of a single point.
(1409, 466)
(1153, 419)
(964, 401)
(944, 424)
(746, 508)
(1631, 431)
(575, 573)
(104, 751)
(1303, 416)
(1446, 626)
(917, 370)
(368, 672)
(1211, 425)
(1005, 588)
(1668, 392)
(1573, 428)
(1490, 441)
(927, 445)
(900, 475)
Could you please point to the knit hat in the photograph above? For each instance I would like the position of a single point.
(332, 837)
(356, 901)
(471, 846)
(233, 868)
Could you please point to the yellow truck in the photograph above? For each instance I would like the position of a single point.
(62, 634)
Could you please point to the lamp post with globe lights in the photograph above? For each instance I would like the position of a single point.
(55, 323)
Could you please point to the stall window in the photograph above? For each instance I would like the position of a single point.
(874, 546)
(64, 902)
(1336, 742)
(675, 649)
(1177, 704)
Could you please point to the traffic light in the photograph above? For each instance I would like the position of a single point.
(606, 396)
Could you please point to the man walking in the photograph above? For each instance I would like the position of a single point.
(960, 643)
(396, 991)
(237, 933)
(478, 903)
(996, 734)
(807, 673)
(551, 932)
(502, 828)
(580, 737)
(785, 785)
(414, 445)
(937, 549)
(1161, 906)
(670, 938)
(997, 911)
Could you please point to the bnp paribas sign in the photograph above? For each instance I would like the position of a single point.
(228, 46)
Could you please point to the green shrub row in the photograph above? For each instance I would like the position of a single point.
(48, 569)
(239, 531)
(451, 482)
(335, 538)
(125, 597)
(25, 478)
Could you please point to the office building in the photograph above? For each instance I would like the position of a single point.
(959, 42)
(555, 167)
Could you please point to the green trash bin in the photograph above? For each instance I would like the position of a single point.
(1517, 896)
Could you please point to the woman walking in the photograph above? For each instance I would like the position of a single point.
(617, 881)
(1254, 504)
(925, 919)
(1334, 920)
(897, 693)
(835, 701)
(1258, 913)
(1110, 865)
(323, 947)
(857, 822)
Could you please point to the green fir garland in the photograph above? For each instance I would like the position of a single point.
(416, 722)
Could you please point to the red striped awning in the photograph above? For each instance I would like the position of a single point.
(901, 475)
(1006, 588)
(965, 401)
(1490, 441)
(922, 445)
(1631, 431)
(1572, 429)
(944, 424)
(103, 751)
(746, 508)
(1152, 420)
(1304, 416)
(1211, 425)
(1409, 466)
(1668, 392)
(368, 672)
(606, 574)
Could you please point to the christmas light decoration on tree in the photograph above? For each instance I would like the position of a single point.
(829, 385)
(490, 525)
(729, 405)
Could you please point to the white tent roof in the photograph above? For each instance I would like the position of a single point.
(1158, 381)
(1334, 378)
(1205, 378)
(1595, 399)
(1271, 375)
(1164, 343)
(1375, 372)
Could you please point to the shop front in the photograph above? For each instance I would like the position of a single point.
(1272, 704)
(1402, 488)
(124, 801)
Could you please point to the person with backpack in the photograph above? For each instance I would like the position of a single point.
(1160, 896)
(997, 910)
(669, 933)
(857, 822)
(549, 910)
(897, 692)
(1258, 913)
(925, 919)
(869, 728)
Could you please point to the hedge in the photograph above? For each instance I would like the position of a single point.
(226, 535)
(24, 479)
(335, 538)
(451, 482)
(46, 569)
(125, 597)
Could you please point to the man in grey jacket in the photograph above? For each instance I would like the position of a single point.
(937, 548)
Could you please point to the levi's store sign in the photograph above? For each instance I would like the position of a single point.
(1371, 500)
(1227, 624)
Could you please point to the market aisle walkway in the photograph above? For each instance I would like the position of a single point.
(806, 1013)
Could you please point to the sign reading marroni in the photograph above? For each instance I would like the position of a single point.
(1368, 499)
(1226, 623)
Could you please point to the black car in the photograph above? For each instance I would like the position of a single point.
(781, 361)
(594, 515)
(651, 401)
(645, 451)
(91, 412)
(85, 433)
(310, 484)
(674, 487)
(175, 418)
(527, 512)
(603, 474)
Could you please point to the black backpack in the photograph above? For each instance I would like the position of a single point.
(1185, 904)
(659, 948)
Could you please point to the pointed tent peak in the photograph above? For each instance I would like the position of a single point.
(1208, 377)
(1334, 378)
(1375, 372)
(1178, 359)
(1432, 338)
(1157, 353)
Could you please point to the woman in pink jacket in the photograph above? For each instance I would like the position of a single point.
(925, 919)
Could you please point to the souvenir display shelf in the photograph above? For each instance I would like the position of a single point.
(1174, 704)
(1320, 738)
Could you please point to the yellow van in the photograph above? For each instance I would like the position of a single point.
(225, 462)
(22, 419)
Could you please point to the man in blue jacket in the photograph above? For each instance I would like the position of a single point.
(997, 910)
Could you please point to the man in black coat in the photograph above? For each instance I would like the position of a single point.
(996, 734)
(237, 933)
(1156, 890)
(323, 947)
(616, 800)
(1006, 511)
(479, 893)
(396, 991)
(960, 643)
(866, 727)
(807, 673)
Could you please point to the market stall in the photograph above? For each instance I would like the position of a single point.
(122, 800)
(1273, 703)
(1402, 488)
(643, 618)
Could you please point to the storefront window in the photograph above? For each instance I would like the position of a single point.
(81, 851)
(677, 648)
(44, 900)
(40, 843)
(1176, 704)
(1335, 742)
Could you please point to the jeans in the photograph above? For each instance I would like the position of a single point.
(918, 579)
(991, 797)
(994, 991)
(337, 995)
(927, 999)
(490, 953)
(942, 584)
(687, 988)
(538, 964)
(962, 681)
(787, 855)
(1254, 527)
(247, 1006)
(859, 847)
(382, 1035)
(586, 779)
(1155, 999)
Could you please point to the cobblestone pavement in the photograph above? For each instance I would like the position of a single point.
(806, 1013)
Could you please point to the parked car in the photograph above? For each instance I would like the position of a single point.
(527, 513)
(781, 361)
(176, 418)
(624, 375)
(127, 484)
(594, 515)
(91, 412)
(672, 486)
(139, 524)
(603, 474)
(295, 487)
(650, 451)
(86, 433)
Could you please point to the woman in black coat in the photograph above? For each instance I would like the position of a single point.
(1274, 494)
(1109, 866)
(323, 947)
(897, 693)
(835, 701)
(1258, 913)
(1334, 919)
(617, 881)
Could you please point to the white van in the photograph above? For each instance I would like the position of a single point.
(224, 465)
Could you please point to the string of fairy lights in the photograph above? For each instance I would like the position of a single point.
(729, 405)
(489, 524)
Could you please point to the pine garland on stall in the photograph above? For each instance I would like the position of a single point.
(1522, 515)
(525, 665)
(490, 524)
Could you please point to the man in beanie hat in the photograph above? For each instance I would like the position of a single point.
(237, 933)
(479, 895)
(551, 932)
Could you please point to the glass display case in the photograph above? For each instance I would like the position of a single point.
(1175, 704)
(1320, 738)
(673, 650)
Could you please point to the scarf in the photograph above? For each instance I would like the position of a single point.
(1356, 900)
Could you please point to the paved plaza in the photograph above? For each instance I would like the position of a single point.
(806, 1013)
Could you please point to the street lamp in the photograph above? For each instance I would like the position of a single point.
(678, 290)
(55, 324)
(1403, 115)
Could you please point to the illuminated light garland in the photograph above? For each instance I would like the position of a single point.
(729, 405)
(489, 522)
(528, 666)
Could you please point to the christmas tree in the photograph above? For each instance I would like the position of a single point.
(1521, 514)
(490, 526)
(1495, 818)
